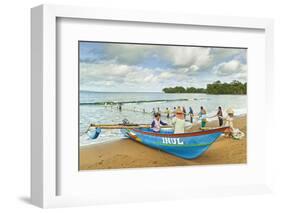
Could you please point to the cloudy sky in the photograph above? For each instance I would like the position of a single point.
(150, 68)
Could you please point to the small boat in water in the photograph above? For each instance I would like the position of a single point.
(185, 145)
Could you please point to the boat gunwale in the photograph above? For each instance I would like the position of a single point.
(187, 134)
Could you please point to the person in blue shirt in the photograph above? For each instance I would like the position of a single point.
(191, 114)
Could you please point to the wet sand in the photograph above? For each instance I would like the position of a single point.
(126, 153)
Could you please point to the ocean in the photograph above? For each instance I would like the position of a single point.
(137, 107)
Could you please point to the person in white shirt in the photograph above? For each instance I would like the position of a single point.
(179, 122)
(157, 123)
(229, 122)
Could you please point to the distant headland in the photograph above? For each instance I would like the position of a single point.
(235, 87)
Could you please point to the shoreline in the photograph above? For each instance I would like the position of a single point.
(126, 153)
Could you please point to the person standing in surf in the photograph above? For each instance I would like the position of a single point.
(153, 112)
(203, 116)
(174, 112)
(119, 107)
(220, 116)
(167, 112)
(191, 114)
(184, 112)
(157, 123)
(158, 110)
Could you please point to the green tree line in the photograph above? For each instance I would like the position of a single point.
(235, 87)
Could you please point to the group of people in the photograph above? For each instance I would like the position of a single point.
(178, 122)
(179, 117)
(172, 113)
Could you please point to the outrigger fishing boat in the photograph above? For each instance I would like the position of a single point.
(185, 145)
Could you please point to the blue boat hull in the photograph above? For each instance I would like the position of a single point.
(186, 145)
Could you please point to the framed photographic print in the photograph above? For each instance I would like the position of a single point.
(137, 92)
(135, 102)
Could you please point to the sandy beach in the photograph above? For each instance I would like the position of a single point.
(126, 153)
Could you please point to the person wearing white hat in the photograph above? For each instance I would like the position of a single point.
(179, 122)
(230, 111)
(229, 121)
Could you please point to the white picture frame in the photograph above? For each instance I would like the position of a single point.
(44, 154)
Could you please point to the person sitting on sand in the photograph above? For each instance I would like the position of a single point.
(203, 116)
(156, 123)
(229, 122)
(179, 122)
(220, 116)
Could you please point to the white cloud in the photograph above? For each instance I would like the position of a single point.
(114, 75)
(241, 76)
(166, 75)
(188, 56)
(230, 68)
(190, 70)
(177, 56)
(95, 76)
(219, 53)
(130, 54)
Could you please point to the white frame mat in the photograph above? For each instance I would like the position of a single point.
(44, 83)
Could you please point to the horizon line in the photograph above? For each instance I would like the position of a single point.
(122, 91)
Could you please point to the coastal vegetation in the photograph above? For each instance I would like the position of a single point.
(234, 87)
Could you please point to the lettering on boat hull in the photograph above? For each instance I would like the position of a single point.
(174, 141)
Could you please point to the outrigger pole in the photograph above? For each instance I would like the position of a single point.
(98, 127)
(122, 126)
